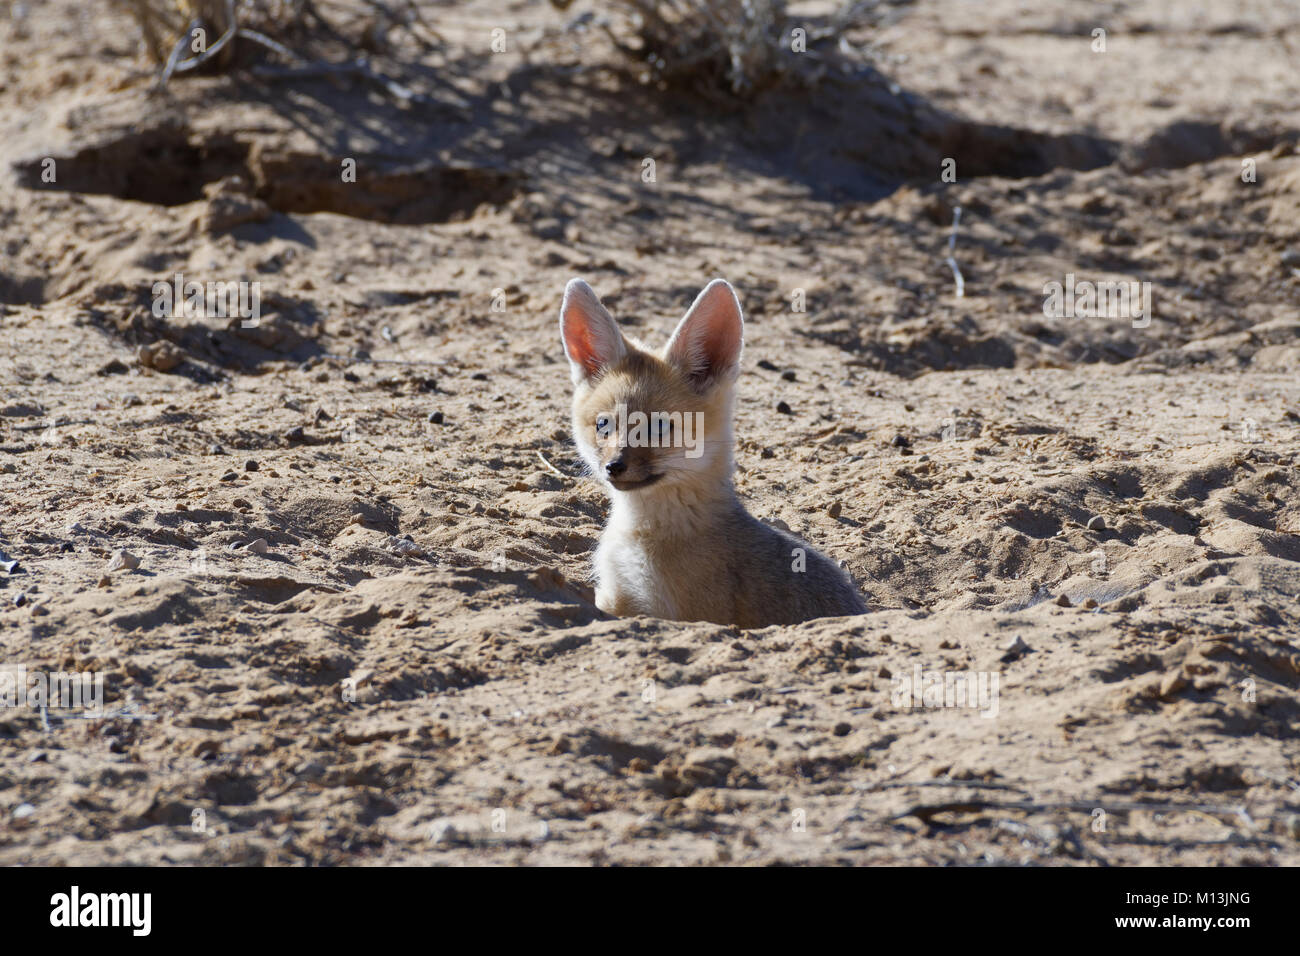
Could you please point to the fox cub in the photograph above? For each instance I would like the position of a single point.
(655, 428)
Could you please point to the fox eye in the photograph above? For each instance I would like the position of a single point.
(602, 426)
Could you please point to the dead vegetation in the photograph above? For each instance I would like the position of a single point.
(736, 49)
(728, 50)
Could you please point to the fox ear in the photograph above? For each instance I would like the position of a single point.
(708, 340)
(591, 337)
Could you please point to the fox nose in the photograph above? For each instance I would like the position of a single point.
(616, 467)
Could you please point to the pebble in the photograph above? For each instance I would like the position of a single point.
(123, 560)
(161, 356)
(1096, 523)
(835, 509)
(1172, 683)
(405, 547)
(23, 810)
(229, 476)
(788, 375)
(131, 399)
(766, 365)
(296, 434)
(20, 599)
(707, 767)
(443, 832)
(901, 441)
(216, 450)
(250, 465)
(1014, 648)
(1063, 601)
(842, 729)
(258, 546)
(784, 408)
(1293, 826)
(436, 418)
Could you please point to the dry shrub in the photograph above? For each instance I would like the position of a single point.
(730, 48)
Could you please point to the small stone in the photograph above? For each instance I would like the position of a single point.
(444, 831)
(123, 560)
(1015, 649)
(258, 546)
(835, 509)
(250, 465)
(766, 365)
(23, 810)
(131, 399)
(707, 767)
(160, 356)
(901, 441)
(20, 599)
(1096, 523)
(1291, 257)
(311, 769)
(1063, 601)
(784, 408)
(788, 375)
(405, 547)
(216, 450)
(104, 581)
(842, 729)
(1090, 604)
(229, 476)
(296, 434)
(1172, 683)
(436, 418)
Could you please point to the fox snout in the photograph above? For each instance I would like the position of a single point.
(627, 467)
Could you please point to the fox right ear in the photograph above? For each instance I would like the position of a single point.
(591, 337)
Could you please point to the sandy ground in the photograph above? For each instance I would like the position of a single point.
(1103, 516)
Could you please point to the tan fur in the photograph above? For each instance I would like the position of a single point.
(684, 547)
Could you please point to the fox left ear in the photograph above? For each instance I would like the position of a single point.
(708, 340)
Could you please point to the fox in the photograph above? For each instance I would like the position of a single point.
(655, 429)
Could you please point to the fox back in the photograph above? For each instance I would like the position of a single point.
(655, 428)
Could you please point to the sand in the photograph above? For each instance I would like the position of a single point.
(1098, 513)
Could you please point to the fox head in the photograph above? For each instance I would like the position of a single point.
(660, 420)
